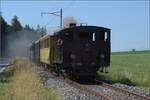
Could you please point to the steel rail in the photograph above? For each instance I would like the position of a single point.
(124, 91)
(86, 89)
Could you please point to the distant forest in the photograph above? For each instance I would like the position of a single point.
(16, 37)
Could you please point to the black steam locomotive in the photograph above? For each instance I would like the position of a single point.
(77, 51)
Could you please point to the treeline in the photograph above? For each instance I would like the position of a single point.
(15, 33)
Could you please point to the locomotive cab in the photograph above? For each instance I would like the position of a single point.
(85, 50)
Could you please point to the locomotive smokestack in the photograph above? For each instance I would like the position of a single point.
(72, 25)
(69, 22)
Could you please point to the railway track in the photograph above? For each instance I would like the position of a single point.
(82, 88)
(88, 90)
(125, 91)
(121, 94)
(101, 96)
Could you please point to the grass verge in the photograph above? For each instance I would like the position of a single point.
(25, 84)
(132, 68)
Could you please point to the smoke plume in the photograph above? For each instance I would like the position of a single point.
(18, 45)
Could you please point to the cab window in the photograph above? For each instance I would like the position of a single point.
(106, 36)
(93, 37)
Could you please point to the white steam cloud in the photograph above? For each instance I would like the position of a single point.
(19, 45)
(68, 20)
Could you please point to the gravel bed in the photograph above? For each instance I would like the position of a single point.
(135, 89)
(66, 91)
(112, 93)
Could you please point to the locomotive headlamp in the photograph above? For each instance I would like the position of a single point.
(102, 56)
(93, 63)
(72, 56)
(79, 64)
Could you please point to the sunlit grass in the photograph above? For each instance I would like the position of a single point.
(132, 68)
(25, 84)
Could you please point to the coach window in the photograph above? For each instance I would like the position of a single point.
(40, 44)
(44, 43)
(48, 43)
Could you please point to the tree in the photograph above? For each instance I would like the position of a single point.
(43, 31)
(16, 33)
(27, 27)
(3, 34)
(16, 25)
(38, 29)
(3, 28)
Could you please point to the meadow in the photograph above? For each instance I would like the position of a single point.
(22, 82)
(132, 68)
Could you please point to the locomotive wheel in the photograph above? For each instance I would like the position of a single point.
(56, 69)
(70, 74)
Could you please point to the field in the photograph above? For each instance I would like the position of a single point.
(132, 68)
(22, 82)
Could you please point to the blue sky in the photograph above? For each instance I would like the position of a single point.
(128, 20)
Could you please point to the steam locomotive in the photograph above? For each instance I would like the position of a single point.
(77, 51)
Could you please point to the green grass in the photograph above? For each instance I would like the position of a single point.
(132, 68)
